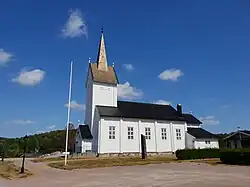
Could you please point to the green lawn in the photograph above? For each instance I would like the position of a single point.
(53, 159)
(111, 161)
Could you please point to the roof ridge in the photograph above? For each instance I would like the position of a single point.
(105, 106)
(145, 103)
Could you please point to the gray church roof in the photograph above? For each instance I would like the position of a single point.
(127, 109)
(85, 132)
(200, 133)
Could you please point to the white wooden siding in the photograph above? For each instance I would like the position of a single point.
(129, 145)
(178, 144)
(98, 94)
(86, 145)
(150, 143)
(121, 143)
(109, 145)
(190, 141)
(201, 143)
(163, 145)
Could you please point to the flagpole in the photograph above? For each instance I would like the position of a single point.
(67, 131)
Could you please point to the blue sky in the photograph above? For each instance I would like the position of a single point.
(191, 52)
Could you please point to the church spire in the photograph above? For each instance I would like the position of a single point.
(102, 63)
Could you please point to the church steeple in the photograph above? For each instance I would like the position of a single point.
(102, 63)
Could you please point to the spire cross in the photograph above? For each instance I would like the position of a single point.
(102, 29)
(102, 57)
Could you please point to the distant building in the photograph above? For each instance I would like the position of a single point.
(198, 138)
(238, 139)
(115, 127)
(84, 138)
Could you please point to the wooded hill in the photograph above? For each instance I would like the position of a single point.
(43, 143)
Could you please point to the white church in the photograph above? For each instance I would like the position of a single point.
(115, 127)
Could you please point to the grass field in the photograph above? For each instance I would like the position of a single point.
(8, 170)
(109, 162)
(53, 159)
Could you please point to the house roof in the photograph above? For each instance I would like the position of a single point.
(128, 109)
(191, 119)
(244, 134)
(85, 132)
(108, 77)
(200, 133)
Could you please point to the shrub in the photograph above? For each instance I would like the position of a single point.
(235, 156)
(188, 154)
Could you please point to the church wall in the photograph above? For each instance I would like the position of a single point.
(104, 95)
(130, 145)
(190, 141)
(151, 143)
(89, 100)
(122, 144)
(95, 132)
(98, 94)
(178, 143)
(109, 145)
(163, 145)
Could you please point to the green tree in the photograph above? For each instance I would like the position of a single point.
(2, 149)
(43, 143)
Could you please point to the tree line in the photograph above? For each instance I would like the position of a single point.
(43, 143)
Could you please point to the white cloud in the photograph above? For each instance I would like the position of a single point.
(51, 127)
(126, 91)
(128, 67)
(171, 74)
(29, 78)
(48, 128)
(209, 120)
(5, 57)
(75, 25)
(23, 122)
(162, 102)
(75, 105)
(40, 132)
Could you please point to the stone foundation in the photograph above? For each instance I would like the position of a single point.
(132, 154)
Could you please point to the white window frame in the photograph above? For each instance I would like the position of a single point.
(130, 133)
(163, 133)
(147, 133)
(178, 134)
(111, 132)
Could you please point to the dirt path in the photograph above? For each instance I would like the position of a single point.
(171, 175)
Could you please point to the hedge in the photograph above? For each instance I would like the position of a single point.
(235, 156)
(188, 154)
